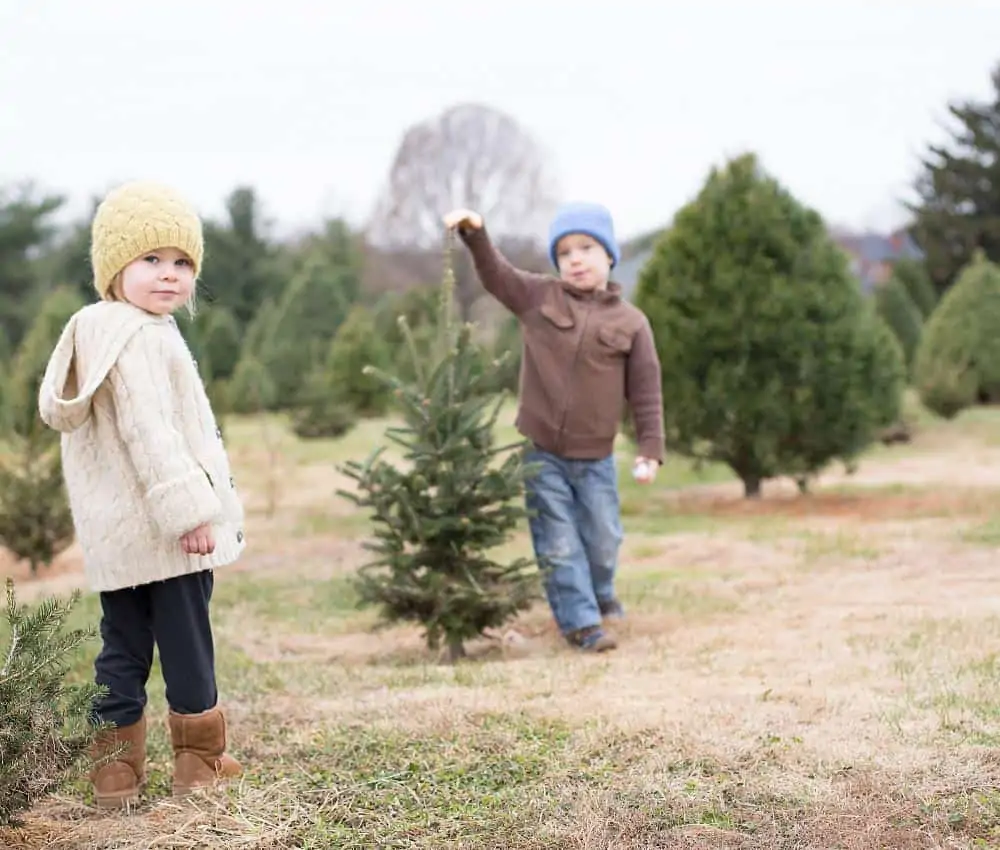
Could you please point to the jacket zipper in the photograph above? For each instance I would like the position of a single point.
(569, 383)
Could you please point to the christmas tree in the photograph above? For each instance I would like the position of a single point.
(454, 496)
(35, 519)
(773, 363)
(45, 728)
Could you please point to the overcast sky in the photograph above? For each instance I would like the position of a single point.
(634, 99)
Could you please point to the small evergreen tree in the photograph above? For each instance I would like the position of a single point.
(45, 728)
(356, 345)
(453, 499)
(218, 337)
(321, 412)
(509, 345)
(311, 309)
(28, 365)
(877, 361)
(912, 274)
(959, 189)
(421, 308)
(759, 327)
(957, 364)
(901, 315)
(251, 389)
(35, 519)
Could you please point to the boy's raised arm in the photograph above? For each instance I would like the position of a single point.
(517, 290)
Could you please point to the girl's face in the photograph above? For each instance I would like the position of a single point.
(159, 281)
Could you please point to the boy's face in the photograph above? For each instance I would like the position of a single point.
(583, 261)
(159, 281)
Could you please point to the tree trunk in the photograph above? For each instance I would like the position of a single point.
(456, 649)
(751, 486)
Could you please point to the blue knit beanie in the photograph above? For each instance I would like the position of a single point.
(592, 219)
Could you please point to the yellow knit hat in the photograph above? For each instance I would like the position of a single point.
(138, 217)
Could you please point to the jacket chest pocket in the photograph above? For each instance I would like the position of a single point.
(556, 317)
(614, 342)
(553, 338)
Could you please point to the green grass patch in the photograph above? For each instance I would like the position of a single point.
(982, 534)
(838, 545)
(672, 591)
(298, 603)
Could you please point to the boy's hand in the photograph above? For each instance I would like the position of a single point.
(199, 541)
(463, 218)
(644, 470)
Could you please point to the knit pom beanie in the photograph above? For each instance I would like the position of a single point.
(592, 219)
(136, 218)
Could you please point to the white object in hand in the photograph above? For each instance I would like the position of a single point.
(642, 471)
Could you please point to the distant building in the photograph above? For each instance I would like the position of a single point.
(870, 255)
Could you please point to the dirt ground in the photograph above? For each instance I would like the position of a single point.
(795, 671)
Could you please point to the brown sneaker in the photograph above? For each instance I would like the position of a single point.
(200, 758)
(119, 782)
(592, 639)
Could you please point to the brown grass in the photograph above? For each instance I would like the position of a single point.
(795, 672)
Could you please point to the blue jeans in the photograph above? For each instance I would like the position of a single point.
(576, 533)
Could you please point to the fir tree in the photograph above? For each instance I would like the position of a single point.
(45, 723)
(957, 364)
(894, 305)
(768, 360)
(35, 519)
(959, 190)
(912, 274)
(355, 345)
(455, 496)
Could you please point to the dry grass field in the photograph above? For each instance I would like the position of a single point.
(800, 672)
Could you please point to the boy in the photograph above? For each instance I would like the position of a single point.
(586, 353)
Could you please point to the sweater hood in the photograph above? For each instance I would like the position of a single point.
(88, 348)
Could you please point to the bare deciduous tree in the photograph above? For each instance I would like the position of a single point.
(468, 156)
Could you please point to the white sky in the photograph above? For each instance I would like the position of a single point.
(633, 99)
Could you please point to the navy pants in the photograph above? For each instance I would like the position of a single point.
(173, 615)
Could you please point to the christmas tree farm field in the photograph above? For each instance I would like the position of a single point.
(794, 671)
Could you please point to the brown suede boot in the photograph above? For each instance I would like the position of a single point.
(200, 758)
(118, 783)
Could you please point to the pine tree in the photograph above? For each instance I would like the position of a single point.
(903, 317)
(311, 308)
(355, 345)
(35, 519)
(251, 389)
(767, 357)
(959, 190)
(455, 496)
(957, 364)
(45, 723)
(217, 336)
(912, 274)
(28, 364)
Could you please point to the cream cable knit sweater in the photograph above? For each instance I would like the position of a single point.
(143, 458)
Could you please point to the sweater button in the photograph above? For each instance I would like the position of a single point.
(232, 482)
(218, 433)
(239, 536)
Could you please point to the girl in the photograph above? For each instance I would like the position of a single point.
(154, 506)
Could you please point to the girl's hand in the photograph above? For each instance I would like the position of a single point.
(463, 218)
(199, 541)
